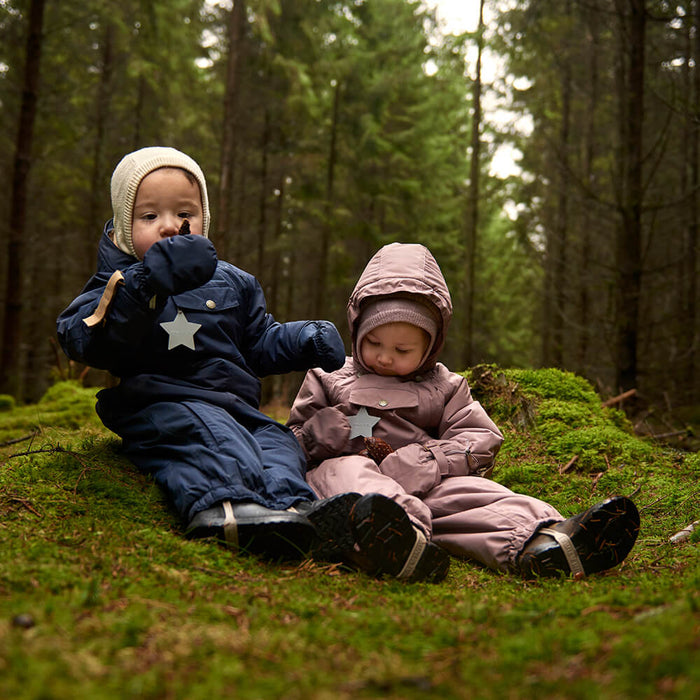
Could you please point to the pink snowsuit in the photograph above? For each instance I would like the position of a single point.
(444, 442)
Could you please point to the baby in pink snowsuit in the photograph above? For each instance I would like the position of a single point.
(441, 444)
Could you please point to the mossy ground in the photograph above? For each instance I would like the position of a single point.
(101, 597)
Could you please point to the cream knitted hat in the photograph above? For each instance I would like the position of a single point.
(127, 177)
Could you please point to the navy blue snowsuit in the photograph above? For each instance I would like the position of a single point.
(187, 403)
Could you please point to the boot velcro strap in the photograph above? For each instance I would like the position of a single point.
(230, 526)
(567, 546)
(414, 557)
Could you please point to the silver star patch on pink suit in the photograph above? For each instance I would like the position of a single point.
(362, 423)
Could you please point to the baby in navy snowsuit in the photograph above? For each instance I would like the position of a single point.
(189, 336)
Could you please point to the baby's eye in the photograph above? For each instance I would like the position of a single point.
(148, 217)
(371, 342)
(401, 351)
(184, 215)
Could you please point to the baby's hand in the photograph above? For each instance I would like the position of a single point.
(377, 449)
(179, 263)
(322, 345)
(326, 433)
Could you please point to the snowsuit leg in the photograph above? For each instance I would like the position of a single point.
(480, 519)
(199, 454)
(362, 475)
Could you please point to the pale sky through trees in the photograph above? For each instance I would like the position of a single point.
(459, 16)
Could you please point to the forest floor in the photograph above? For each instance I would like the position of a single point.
(102, 597)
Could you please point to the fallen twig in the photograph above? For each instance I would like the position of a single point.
(41, 450)
(685, 533)
(24, 503)
(619, 398)
(569, 465)
(34, 433)
(649, 505)
(674, 433)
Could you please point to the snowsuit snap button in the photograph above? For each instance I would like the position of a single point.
(211, 304)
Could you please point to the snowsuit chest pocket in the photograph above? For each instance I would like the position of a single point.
(207, 299)
(384, 399)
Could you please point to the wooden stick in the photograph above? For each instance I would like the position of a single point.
(24, 503)
(675, 433)
(685, 533)
(569, 465)
(21, 439)
(619, 398)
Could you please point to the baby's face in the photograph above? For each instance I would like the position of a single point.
(164, 199)
(394, 349)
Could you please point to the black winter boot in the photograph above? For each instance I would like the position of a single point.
(389, 543)
(594, 540)
(250, 527)
(331, 518)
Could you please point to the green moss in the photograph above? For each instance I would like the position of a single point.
(123, 606)
(567, 415)
(604, 441)
(554, 384)
(69, 393)
(65, 405)
(565, 421)
(619, 419)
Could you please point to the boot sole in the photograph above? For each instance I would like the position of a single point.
(603, 538)
(334, 536)
(386, 537)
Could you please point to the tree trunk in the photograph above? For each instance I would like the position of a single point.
(632, 15)
(236, 33)
(138, 113)
(690, 253)
(561, 229)
(273, 298)
(322, 281)
(102, 108)
(555, 283)
(586, 244)
(262, 201)
(471, 239)
(10, 379)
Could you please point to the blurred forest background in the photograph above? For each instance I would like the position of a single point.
(327, 129)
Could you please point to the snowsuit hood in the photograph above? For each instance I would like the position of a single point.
(402, 270)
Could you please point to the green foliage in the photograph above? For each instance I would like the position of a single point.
(567, 72)
(351, 130)
(508, 289)
(101, 597)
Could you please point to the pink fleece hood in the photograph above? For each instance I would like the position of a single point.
(403, 270)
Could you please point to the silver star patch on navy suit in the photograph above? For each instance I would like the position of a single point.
(180, 331)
